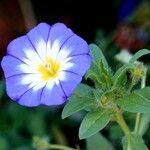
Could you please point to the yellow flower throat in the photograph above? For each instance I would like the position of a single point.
(49, 69)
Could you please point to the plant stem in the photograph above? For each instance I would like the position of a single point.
(131, 86)
(39, 143)
(120, 120)
(137, 122)
(60, 147)
(143, 79)
(122, 123)
(138, 116)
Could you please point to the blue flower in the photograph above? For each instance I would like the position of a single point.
(45, 65)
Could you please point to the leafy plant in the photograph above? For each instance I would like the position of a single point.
(112, 95)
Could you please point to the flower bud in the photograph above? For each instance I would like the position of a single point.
(137, 72)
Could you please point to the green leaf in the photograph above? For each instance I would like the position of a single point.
(75, 104)
(94, 122)
(96, 141)
(84, 90)
(97, 55)
(119, 79)
(99, 71)
(94, 73)
(133, 142)
(138, 101)
(144, 123)
(139, 54)
(98, 93)
(82, 98)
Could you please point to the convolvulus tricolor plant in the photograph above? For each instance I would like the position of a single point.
(46, 66)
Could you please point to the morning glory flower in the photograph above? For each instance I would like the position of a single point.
(45, 65)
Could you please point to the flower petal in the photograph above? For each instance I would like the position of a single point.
(58, 30)
(59, 34)
(44, 30)
(69, 81)
(13, 66)
(38, 37)
(19, 84)
(74, 46)
(52, 95)
(22, 49)
(31, 97)
(77, 64)
(26, 54)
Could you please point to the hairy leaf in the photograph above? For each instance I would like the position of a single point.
(99, 71)
(139, 54)
(82, 98)
(98, 141)
(138, 101)
(120, 76)
(94, 122)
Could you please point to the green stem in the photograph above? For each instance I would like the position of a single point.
(59, 147)
(137, 122)
(39, 143)
(138, 116)
(122, 123)
(120, 120)
(131, 86)
(143, 79)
